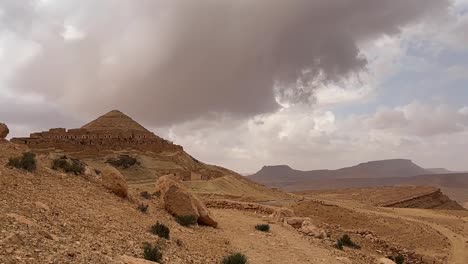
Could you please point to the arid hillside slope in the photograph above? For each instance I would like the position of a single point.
(47, 216)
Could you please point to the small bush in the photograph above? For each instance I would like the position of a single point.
(339, 244)
(398, 259)
(123, 161)
(236, 258)
(143, 207)
(346, 241)
(26, 162)
(157, 194)
(69, 165)
(152, 253)
(146, 195)
(263, 227)
(160, 230)
(186, 220)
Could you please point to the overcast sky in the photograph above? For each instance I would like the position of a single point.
(309, 83)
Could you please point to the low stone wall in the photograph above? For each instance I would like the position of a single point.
(243, 206)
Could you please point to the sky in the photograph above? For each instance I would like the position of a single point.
(313, 84)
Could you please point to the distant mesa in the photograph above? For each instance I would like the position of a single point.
(112, 131)
(372, 169)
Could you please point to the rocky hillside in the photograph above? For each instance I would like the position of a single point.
(432, 200)
(49, 216)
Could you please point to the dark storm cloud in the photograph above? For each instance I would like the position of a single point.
(171, 60)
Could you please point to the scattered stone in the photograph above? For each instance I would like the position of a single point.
(49, 235)
(114, 181)
(13, 239)
(21, 219)
(178, 201)
(42, 206)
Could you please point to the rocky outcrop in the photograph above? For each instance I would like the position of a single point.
(3, 131)
(384, 261)
(178, 201)
(432, 200)
(113, 180)
(281, 213)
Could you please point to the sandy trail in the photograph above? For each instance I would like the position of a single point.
(281, 245)
(459, 242)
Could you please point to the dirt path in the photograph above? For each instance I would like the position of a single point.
(281, 245)
(459, 243)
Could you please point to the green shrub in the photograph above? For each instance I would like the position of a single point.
(146, 195)
(69, 165)
(26, 162)
(339, 244)
(123, 161)
(236, 258)
(263, 227)
(186, 220)
(160, 230)
(152, 253)
(143, 207)
(398, 259)
(346, 241)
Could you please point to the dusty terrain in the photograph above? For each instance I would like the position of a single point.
(52, 217)
(436, 236)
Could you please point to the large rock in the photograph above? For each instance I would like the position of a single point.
(3, 131)
(385, 261)
(311, 230)
(296, 222)
(281, 213)
(178, 201)
(114, 181)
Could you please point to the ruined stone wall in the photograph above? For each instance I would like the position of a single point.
(80, 139)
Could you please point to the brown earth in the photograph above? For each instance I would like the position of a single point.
(53, 217)
(436, 236)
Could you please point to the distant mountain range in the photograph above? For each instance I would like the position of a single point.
(369, 174)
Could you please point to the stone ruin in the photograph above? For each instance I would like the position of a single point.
(112, 131)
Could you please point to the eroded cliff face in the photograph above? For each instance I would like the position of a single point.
(433, 200)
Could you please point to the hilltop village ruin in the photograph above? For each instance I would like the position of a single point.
(112, 131)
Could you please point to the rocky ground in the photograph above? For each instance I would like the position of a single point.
(53, 217)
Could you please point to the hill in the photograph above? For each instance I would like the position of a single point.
(281, 176)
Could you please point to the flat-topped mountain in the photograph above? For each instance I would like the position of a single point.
(273, 175)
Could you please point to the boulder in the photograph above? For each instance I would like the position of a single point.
(3, 131)
(311, 230)
(178, 201)
(281, 213)
(113, 180)
(296, 222)
(385, 261)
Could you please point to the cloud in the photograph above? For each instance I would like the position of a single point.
(420, 119)
(171, 61)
